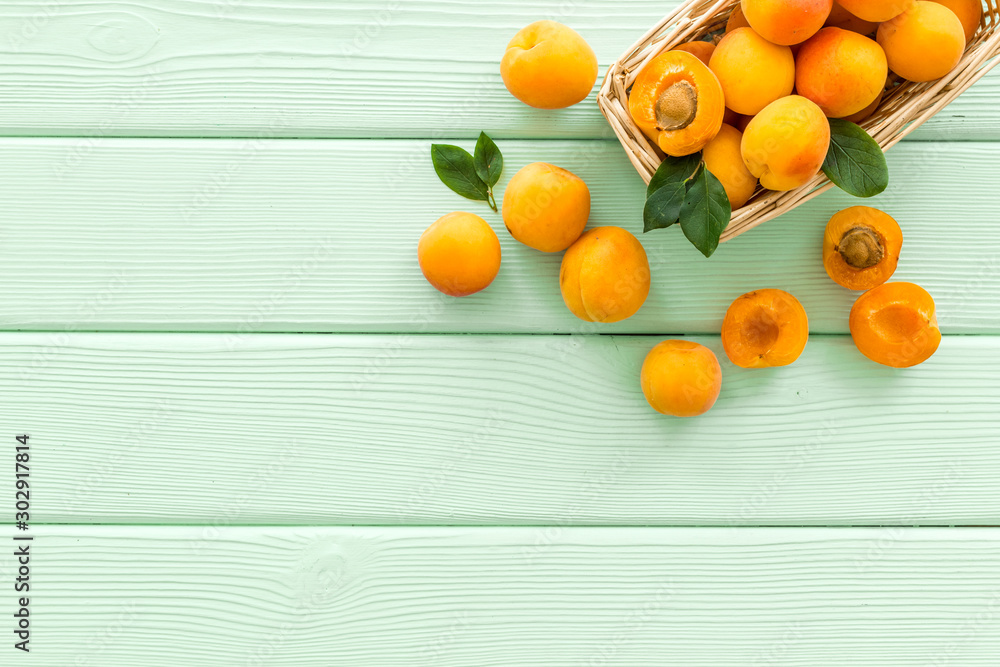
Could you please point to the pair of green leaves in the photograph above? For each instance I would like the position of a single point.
(684, 191)
(472, 176)
(855, 162)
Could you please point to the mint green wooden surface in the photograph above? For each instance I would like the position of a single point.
(213, 326)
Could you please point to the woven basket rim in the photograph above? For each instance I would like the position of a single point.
(908, 106)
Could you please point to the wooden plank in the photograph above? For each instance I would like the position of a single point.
(326, 68)
(156, 596)
(320, 236)
(403, 429)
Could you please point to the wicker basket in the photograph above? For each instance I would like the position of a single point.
(906, 105)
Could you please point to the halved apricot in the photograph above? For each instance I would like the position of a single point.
(764, 329)
(861, 247)
(678, 103)
(895, 325)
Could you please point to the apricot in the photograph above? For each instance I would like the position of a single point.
(861, 247)
(924, 43)
(876, 11)
(724, 159)
(678, 103)
(681, 379)
(786, 22)
(700, 49)
(764, 329)
(841, 18)
(753, 72)
(737, 20)
(459, 254)
(841, 71)
(546, 207)
(868, 111)
(786, 144)
(969, 12)
(549, 66)
(605, 276)
(895, 325)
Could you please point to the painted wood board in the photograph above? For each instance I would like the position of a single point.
(494, 430)
(324, 68)
(320, 236)
(283, 597)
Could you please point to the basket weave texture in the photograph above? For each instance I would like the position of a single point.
(906, 106)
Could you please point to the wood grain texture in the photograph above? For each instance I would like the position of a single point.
(325, 68)
(297, 597)
(320, 236)
(302, 429)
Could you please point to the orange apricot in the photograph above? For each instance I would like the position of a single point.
(868, 111)
(924, 43)
(876, 11)
(549, 66)
(737, 20)
(605, 275)
(969, 12)
(753, 72)
(786, 22)
(546, 207)
(841, 18)
(895, 325)
(786, 144)
(764, 329)
(724, 159)
(678, 103)
(700, 49)
(681, 379)
(861, 247)
(459, 254)
(841, 71)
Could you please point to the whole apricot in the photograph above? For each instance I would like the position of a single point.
(700, 49)
(841, 18)
(895, 325)
(605, 276)
(876, 11)
(923, 43)
(753, 72)
(841, 71)
(786, 22)
(724, 159)
(969, 12)
(546, 207)
(861, 247)
(737, 20)
(549, 66)
(764, 329)
(786, 144)
(681, 379)
(459, 254)
(677, 102)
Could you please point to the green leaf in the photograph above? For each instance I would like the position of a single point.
(706, 212)
(673, 170)
(663, 208)
(488, 160)
(855, 163)
(456, 169)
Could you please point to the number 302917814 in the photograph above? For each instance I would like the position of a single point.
(21, 474)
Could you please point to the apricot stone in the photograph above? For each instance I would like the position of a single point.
(549, 66)
(605, 275)
(546, 207)
(841, 71)
(459, 254)
(924, 43)
(786, 144)
(753, 72)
